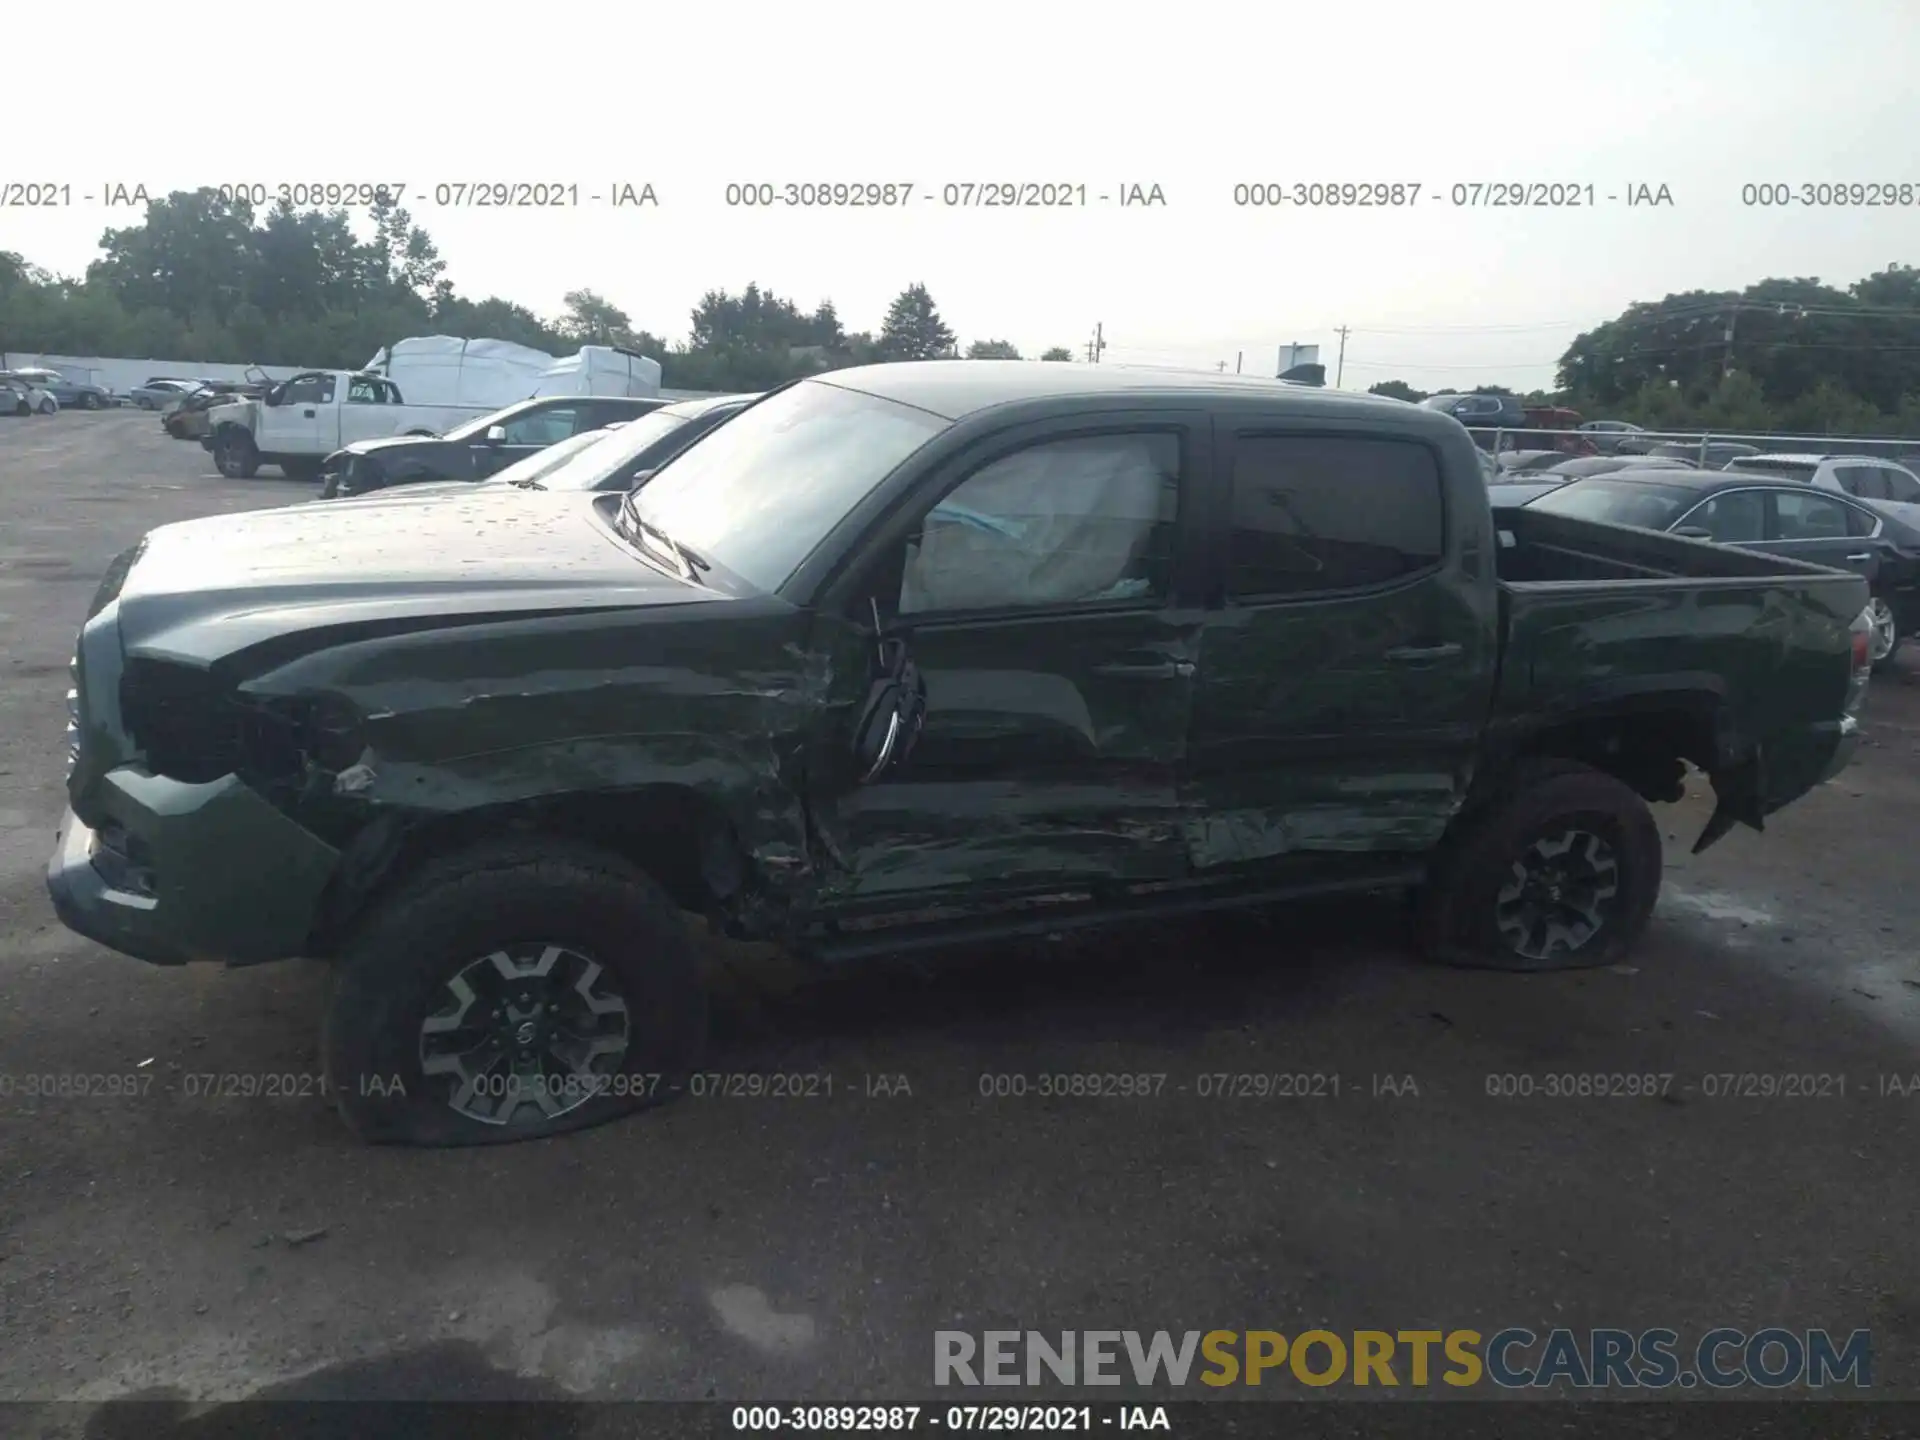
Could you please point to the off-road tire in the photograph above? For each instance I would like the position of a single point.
(235, 455)
(1457, 911)
(466, 905)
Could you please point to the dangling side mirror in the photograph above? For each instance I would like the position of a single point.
(895, 711)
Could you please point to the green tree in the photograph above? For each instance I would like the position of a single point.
(1058, 352)
(592, 319)
(992, 350)
(913, 329)
(1397, 390)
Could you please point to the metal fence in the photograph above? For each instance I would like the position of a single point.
(1708, 449)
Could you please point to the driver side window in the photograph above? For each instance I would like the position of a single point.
(1066, 522)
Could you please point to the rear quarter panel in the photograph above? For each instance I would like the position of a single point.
(1764, 650)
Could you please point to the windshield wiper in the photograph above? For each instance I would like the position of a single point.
(527, 484)
(658, 541)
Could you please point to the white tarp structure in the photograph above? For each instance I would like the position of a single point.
(601, 370)
(445, 370)
(1054, 524)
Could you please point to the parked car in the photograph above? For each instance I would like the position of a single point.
(1609, 437)
(904, 656)
(1585, 467)
(476, 449)
(1886, 486)
(1484, 412)
(526, 473)
(1521, 462)
(160, 392)
(192, 418)
(71, 394)
(1712, 456)
(300, 421)
(1771, 514)
(645, 446)
(26, 397)
(609, 463)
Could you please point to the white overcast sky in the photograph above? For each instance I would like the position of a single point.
(1699, 95)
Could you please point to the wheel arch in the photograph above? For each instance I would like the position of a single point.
(678, 836)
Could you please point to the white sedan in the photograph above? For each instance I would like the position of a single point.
(19, 396)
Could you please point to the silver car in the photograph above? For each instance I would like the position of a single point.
(161, 392)
(72, 394)
(20, 396)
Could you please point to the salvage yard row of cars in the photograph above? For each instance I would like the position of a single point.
(900, 657)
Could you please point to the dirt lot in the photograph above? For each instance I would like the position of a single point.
(762, 1249)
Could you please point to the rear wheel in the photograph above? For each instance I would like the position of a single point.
(1883, 640)
(1558, 872)
(89, 401)
(515, 990)
(235, 455)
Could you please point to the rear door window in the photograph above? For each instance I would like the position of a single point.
(1322, 513)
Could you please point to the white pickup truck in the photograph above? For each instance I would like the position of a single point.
(304, 419)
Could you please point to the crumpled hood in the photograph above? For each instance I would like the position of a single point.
(206, 588)
(384, 447)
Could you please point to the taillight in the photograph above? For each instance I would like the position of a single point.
(1860, 637)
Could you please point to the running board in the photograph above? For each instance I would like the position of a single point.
(832, 945)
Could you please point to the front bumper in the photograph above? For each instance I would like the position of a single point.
(194, 872)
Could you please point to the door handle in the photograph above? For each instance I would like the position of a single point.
(1424, 652)
(307, 414)
(1858, 559)
(1165, 670)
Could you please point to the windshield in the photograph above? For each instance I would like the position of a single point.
(759, 493)
(631, 442)
(1618, 502)
(541, 465)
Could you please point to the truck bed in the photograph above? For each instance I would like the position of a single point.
(1598, 618)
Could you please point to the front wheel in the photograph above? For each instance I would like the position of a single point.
(49, 407)
(1559, 872)
(235, 455)
(1884, 637)
(511, 991)
(89, 401)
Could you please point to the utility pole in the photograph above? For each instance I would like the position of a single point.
(1726, 362)
(1097, 344)
(1340, 366)
(1221, 366)
(1238, 360)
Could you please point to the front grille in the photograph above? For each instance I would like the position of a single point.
(73, 715)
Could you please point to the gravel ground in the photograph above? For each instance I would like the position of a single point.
(216, 1248)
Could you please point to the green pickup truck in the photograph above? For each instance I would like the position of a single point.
(904, 656)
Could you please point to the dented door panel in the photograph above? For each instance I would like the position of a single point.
(1050, 754)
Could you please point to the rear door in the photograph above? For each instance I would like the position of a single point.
(1823, 529)
(1346, 669)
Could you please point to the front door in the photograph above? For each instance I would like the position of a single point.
(1046, 600)
(1347, 671)
(299, 424)
(525, 435)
